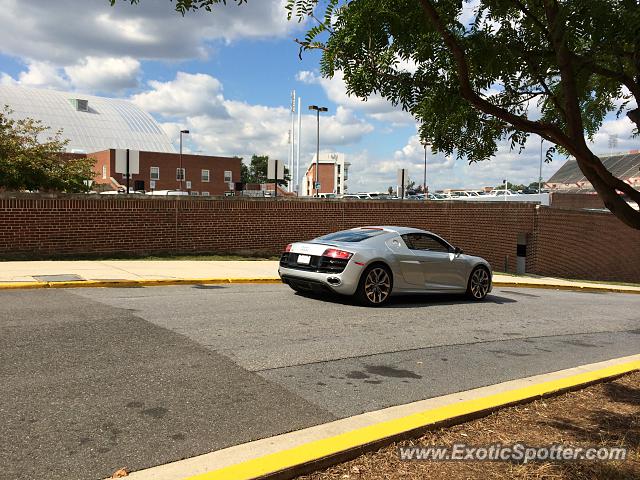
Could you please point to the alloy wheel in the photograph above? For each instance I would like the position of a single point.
(479, 283)
(377, 285)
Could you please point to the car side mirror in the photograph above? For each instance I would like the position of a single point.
(458, 251)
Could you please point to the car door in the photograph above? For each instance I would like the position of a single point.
(406, 259)
(440, 266)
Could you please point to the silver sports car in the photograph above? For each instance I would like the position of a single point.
(374, 263)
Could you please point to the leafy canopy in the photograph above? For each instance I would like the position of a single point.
(474, 73)
(28, 163)
(256, 171)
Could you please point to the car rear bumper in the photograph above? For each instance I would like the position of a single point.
(344, 283)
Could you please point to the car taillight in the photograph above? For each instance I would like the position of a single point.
(335, 253)
(288, 248)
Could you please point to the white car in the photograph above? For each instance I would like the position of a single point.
(501, 193)
(374, 263)
(167, 192)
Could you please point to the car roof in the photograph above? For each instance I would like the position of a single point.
(395, 229)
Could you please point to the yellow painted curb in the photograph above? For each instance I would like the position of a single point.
(20, 285)
(321, 449)
(574, 288)
(196, 281)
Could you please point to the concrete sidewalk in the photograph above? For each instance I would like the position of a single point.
(166, 272)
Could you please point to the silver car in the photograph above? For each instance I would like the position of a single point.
(373, 263)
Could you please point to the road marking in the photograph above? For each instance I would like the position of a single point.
(345, 438)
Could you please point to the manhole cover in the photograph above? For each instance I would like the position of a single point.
(69, 277)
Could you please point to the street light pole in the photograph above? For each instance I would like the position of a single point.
(540, 173)
(424, 183)
(182, 132)
(317, 175)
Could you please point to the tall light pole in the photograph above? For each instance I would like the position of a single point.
(317, 175)
(424, 183)
(182, 132)
(540, 174)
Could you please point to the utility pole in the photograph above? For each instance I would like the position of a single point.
(317, 174)
(540, 173)
(182, 175)
(297, 177)
(424, 183)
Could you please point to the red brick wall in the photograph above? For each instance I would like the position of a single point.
(168, 164)
(584, 245)
(563, 242)
(576, 200)
(326, 177)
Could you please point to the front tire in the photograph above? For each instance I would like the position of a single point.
(375, 286)
(479, 283)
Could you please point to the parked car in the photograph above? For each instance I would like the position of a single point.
(374, 263)
(464, 194)
(501, 193)
(167, 192)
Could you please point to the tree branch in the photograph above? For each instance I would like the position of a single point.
(545, 130)
(520, 6)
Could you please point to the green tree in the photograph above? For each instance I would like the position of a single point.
(472, 85)
(512, 186)
(29, 163)
(256, 171)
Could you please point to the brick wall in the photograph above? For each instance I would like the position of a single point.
(584, 245)
(576, 200)
(55, 226)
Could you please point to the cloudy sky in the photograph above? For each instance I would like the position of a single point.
(227, 77)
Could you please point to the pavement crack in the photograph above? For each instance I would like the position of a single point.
(479, 342)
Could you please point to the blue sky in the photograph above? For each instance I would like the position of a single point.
(227, 77)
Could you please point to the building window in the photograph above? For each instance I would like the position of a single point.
(205, 175)
(205, 194)
(155, 173)
(228, 175)
(104, 172)
(338, 169)
(194, 194)
(180, 174)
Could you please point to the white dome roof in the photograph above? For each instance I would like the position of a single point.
(90, 123)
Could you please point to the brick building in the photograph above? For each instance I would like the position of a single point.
(569, 178)
(333, 172)
(203, 174)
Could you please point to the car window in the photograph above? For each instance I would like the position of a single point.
(422, 241)
(352, 235)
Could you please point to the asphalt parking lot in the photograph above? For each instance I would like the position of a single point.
(99, 379)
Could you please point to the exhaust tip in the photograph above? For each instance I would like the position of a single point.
(334, 281)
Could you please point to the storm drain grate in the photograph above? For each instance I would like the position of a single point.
(69, 277)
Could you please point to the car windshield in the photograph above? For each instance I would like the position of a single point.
(352, 235)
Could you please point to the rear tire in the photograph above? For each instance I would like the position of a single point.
(375, 286)
(479, 283)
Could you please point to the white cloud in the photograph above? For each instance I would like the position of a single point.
(38, 75)
(187, 95)
(230, 127)
(375, 106)
(469, 12)
(64, 31)
(104, 74)
(91, 74)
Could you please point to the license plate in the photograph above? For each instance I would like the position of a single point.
(305, 259)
